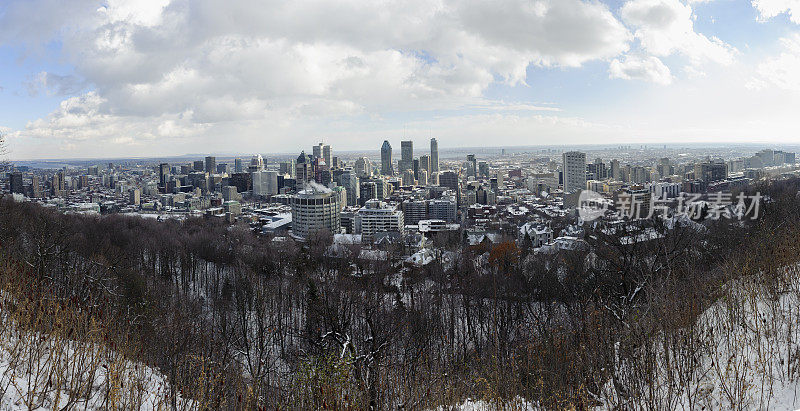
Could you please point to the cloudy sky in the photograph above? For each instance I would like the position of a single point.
(90, 78)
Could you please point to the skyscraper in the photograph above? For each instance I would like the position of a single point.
(615, 173)
(434, 156)
(211, 164)
(256, 164)
(163, 174)
(425, 163)
(16, 183)
(326, 155)
(238, 166)
(363, 167)
(317, 151)
(406, 155)
(472, 165)
(303, 172)
(574, 169)
(386, 158)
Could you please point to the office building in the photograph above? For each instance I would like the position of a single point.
(386, 159)
(303, 170)
(483, 169)
(363, 167)
(415, 210)
(256, 164)
(449, 179)
(406, 156)
(315, 208)
(472, 165)
(709, 171)
(378, 217)
(408, 178)
(211, 164)
(326, 155)
(134, 197)
(614, 171)
(574, 171)
(265, 183)
(425, 163)
(348, 179)
(434, 156)
(238, 165)
(16, 183)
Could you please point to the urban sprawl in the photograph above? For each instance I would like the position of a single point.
(376, 201)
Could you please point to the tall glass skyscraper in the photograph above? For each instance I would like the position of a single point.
(434, 167)
(386, 159)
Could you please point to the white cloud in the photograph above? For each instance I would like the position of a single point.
(646, 68)
(215, 61)
(666, 27)
(768, 9)
(781, 71)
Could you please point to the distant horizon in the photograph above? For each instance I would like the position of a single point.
(442, 150)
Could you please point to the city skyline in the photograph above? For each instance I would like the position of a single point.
(144, 79)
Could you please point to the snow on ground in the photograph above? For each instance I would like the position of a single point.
(743, 352)
(43, 372)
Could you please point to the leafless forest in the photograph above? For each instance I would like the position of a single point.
(239, 321)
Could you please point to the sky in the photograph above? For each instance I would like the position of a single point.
(139, 78)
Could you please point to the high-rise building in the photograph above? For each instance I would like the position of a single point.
(134, 196)
(665, 168)
(406, 156)
(386, 159)
(408, 178)
(378, 217)
(36, 190)
(448, 179)
(434, 167)
(425, 163)
(199, 165)
(211, 164)
(422, 177)
(287, 167)
(443, 209)
(15, 183)
(472, 165)
(303, 171)
(316, 151)
(229, 193)
(709, 171)
(326, 155)
(349, 179)
(363, 167)
(256, 164)
(93, 171)
(265, 183)
(315, 208)
(415, 210)
(238, 165)
(163, 174)
(483, 169)
(615, 173)
(222, 168)
(368, 191)
(574, 170)
(56, 185)
(597, 169)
